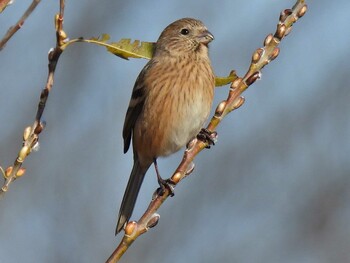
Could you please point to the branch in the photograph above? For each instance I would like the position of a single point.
(13, 29)
(31, 133)
(261, 57)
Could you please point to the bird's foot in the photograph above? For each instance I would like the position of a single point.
(166, 184)
(207, 136)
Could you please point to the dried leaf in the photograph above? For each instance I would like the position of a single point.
(137, 49)
(124, 48)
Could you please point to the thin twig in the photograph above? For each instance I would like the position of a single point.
(260, 58)
(31, 133)
(13, 29)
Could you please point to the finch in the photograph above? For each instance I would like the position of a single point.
(169, 104)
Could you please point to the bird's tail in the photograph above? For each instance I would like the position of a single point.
(132, 189)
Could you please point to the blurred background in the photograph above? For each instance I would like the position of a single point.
(274, 189)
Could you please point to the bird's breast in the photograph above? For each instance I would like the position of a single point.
(177, 105)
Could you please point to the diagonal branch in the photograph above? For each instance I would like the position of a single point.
(31, 133)
(261, 57)
(13, 29)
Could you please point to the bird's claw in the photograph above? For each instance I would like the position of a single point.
(166, 184)
(207, 136)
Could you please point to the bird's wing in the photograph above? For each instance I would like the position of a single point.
(135, 107)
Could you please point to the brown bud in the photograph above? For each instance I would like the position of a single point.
(153, 221)
(302, 11)
(257, 55)
(268, 40)
(220, 108)
(21, 172)
(274, 53)
(130, 228)
(26, 133)
(176, 177)
(281, 31)
(284, 14)
(8, 171)
(253, 78)
(238, 102)
(39, 128)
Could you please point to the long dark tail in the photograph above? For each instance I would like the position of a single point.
(132, 189)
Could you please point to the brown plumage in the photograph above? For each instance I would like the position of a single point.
(170, 102)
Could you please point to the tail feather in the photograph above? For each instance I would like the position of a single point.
(132, 189)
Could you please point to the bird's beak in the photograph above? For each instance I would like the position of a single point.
(206, 37)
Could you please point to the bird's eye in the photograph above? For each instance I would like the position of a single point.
(184, 31)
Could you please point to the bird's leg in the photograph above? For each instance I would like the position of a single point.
(207, 136)
(168, 183)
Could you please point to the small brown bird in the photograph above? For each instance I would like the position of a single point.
(170, 102)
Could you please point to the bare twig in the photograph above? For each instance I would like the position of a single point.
(31, 133)
(13, 29)
(261, 57)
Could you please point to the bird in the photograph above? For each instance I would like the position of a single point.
(170, 103)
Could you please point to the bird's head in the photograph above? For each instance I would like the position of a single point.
(184, 36)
